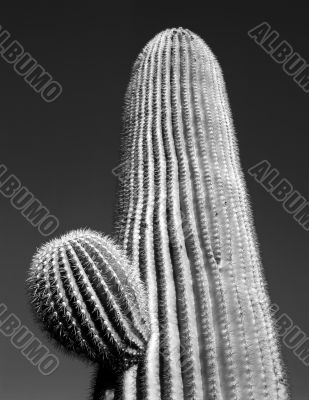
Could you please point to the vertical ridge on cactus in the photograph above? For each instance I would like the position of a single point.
(184, 218)
(88, 296)
(178, 309)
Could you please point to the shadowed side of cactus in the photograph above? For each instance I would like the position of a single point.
(183, 216)
(88, 297)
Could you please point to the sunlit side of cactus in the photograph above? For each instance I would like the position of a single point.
(179, 306)
(88, 297)
(183, 218)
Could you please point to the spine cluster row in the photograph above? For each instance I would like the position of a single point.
(184, 216)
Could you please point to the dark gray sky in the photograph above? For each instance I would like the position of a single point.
(64, 151)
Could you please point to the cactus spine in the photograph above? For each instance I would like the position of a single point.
(184, 217)
(186, 243)
(89, 298)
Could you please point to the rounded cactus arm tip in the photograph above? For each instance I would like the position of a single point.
(188, 269)
(88, 296)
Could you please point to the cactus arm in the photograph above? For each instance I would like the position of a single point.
(89, 297)
(178, 310)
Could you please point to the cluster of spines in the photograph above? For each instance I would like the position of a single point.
(89, 297)
(209, 310)
(183, 218)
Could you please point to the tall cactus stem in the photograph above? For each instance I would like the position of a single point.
(178, 309)
(184, 215)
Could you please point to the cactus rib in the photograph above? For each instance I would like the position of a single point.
(180, 303)
(183, 215)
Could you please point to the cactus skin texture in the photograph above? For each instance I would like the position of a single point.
(186, 234)
(184, 218)
(89, 298)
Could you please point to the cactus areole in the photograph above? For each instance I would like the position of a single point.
(177, 300)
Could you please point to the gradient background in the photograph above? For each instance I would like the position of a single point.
(64, 151)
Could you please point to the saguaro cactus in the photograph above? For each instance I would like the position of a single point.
(184, 222)
(89, 298)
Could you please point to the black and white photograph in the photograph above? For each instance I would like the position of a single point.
(154, 201)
